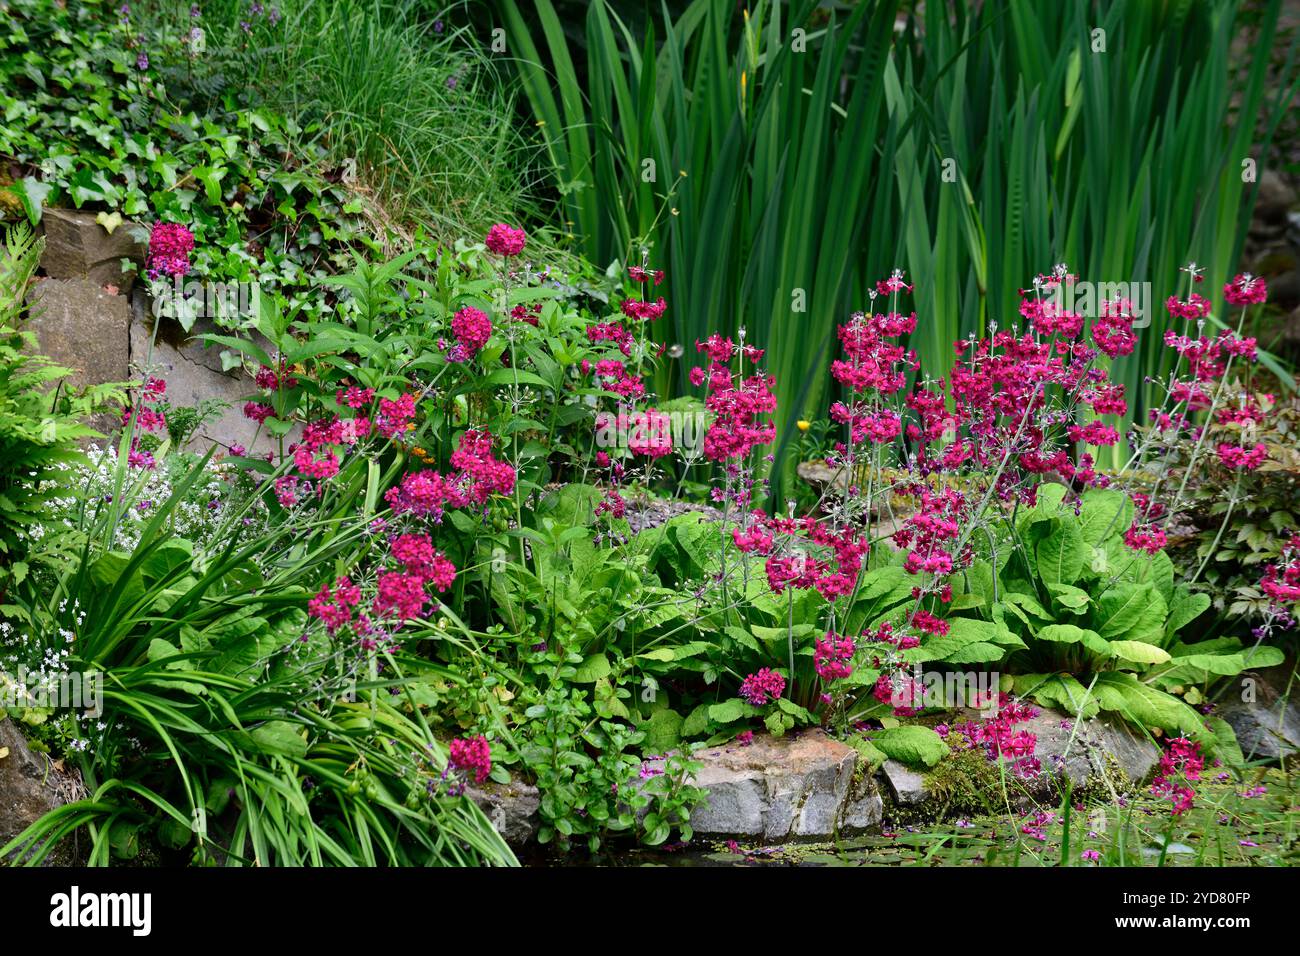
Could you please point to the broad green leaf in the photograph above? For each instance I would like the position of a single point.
(1139, 652)
(1072, 634)
(592, 669)
(1129, 610)
(663, 731)
(1060, 555)
(911, 744)
(1146, 706)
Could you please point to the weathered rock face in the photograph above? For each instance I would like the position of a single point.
(194, 374)
(1267, 728)
(109, 338)
(908, 787)
(30, 787)
(1275, 199)
(80, 325)
(797, 787)
(77, 247)
(512, 809)
(1085, 750)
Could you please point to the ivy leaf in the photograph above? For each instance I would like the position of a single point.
(663, 731)
(697, 721)
(778, 723)
(33, 197)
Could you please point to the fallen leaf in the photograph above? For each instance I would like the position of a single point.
(4, 752)
(109, 220)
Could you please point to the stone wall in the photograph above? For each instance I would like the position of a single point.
(88, 315)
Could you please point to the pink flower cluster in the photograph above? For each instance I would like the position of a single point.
(472, 329)
(395, 417)
(1180, 766)
(902, 691)
(506, 240)
(1242, 459)
(611, 332)
(614, 377)
(472, 757)
(1245, 289)
(399, 592)
(762, 687)
(1282, 578)
(148, 418)
(642, 310)
(738, 402)
(1195, 306)
(833, 575)
(477, 475)
(332, 606)
(873, 361)
(1000, 736)
(1148, 538)
(270, 379)
(647, 432)
(932, 530)
(170, 246)
(317, 456)
(833, 657)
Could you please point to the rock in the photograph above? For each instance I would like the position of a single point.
(1275, 197)
(193, 373)
(78, 247)
(1085, 751)
(80, 325)
(865, 809)
(1284, 289)
(1093, 753)
(782, 789)
(907, 786)
(1267, 728)
(821, 474)
(511, 808)
(1136, 755)
(1291, 328)
(652, 512)
(31, 786)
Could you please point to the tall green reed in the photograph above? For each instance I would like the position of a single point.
(776, 161)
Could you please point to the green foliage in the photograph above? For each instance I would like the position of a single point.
(96, 132)
(1087, 623)
(1241, 520)
(222, 735)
